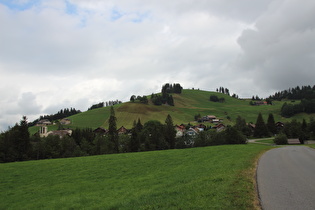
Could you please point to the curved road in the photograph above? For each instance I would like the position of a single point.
(286, 178)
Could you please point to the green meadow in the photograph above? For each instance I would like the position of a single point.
(187, 105)
(217, 177)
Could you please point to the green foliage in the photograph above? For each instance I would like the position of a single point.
(152, 134)
(169, 88)
(15, 143)
(112, 130)
(214, 98)
(281, 139)
(271, 124)
(241, 126)
(233, 136)
(261, 129)
(169, 132)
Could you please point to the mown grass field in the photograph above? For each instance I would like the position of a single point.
(187, 105)
(217, 177)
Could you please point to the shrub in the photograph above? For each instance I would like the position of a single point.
(281, 139)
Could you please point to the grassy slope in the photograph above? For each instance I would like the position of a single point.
(187, 104)
(217, 177)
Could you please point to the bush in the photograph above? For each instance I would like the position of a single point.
(281, 139)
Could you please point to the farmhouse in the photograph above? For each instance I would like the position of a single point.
(65, 121)
(192, 132)
(219, 127)
(43, 122)
(43, 132)
(100, 131)
(180, 130)
(122, 130)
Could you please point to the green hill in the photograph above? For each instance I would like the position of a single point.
(187, 105)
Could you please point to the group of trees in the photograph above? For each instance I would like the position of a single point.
(260, 129)
(141, 99)
(211, 137)
(215, 98)
(296, 130)
(16, 144)
(297, 93)
(223, 90)
(169, 88)
(290, 109)
(63, 113)
(165, 98)
(103, 104)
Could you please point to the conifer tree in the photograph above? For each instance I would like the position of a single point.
(112, 130)
(170, 132)
(271, 124)
(261, 129)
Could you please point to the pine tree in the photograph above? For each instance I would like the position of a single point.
(261, 129)
(135, 139)
(112, 130)
(170, 132)
(271, 124)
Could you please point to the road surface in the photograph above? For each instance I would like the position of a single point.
(286, 178)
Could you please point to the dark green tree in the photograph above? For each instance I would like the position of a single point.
(135, 137)
(169, 132)
(271, 124)
(261, 129)
(214, 98)
(241, 126)
(152, 134)
(233, 136)
(281, 139)
(112, 130)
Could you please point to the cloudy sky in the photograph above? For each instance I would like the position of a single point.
(58, 54)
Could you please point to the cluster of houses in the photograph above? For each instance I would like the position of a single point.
(209, 118)
(43, 130)
(181, 130)
(192, 131)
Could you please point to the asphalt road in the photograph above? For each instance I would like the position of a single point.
(286, 178)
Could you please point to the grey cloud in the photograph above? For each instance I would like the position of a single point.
(27, 104)
(279, 52)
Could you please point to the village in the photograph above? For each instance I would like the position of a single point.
(181, 130)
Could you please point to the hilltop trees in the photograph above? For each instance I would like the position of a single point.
(63, 113)
(223, 90)
(169, 88)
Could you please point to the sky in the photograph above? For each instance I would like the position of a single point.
(57, 54)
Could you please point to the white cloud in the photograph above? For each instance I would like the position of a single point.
(57, 54)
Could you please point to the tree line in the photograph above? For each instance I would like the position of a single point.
(63, 113)
(16, 144)
(158, 99)
(290, 109)
(103, 104)
(223, 90)
(297, 93)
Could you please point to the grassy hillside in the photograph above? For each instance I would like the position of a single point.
(187, 104)
(217, 177)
